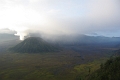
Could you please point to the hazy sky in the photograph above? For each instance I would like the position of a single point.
(60, 16)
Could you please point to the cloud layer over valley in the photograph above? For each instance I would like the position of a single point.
(59, 17)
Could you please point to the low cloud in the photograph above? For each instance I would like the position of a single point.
(56, 17)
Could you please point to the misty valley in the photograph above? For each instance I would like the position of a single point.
(59, 39)
(67, 58)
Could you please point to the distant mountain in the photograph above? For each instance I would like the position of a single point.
(34, 45)
(7, 37)
(84, 39)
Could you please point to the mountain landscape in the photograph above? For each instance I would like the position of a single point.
(80, 58)
(34, 45)
(59, 39)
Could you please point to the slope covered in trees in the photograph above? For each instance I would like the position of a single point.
(108, 71)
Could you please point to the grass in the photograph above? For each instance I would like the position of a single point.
(84, 70)
(65, 65)
(47, 66)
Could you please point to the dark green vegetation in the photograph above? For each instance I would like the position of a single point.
(34, 45)
(108, 71)
(83, 71)
(65, 65)
(49, 66)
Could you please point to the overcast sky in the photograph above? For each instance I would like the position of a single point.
(60, 17)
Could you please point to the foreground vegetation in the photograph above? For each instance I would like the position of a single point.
(84, 70)
(66, 65)
(108, 71)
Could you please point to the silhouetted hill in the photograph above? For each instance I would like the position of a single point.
(84, 39)
(33, 45)
(7, 37)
